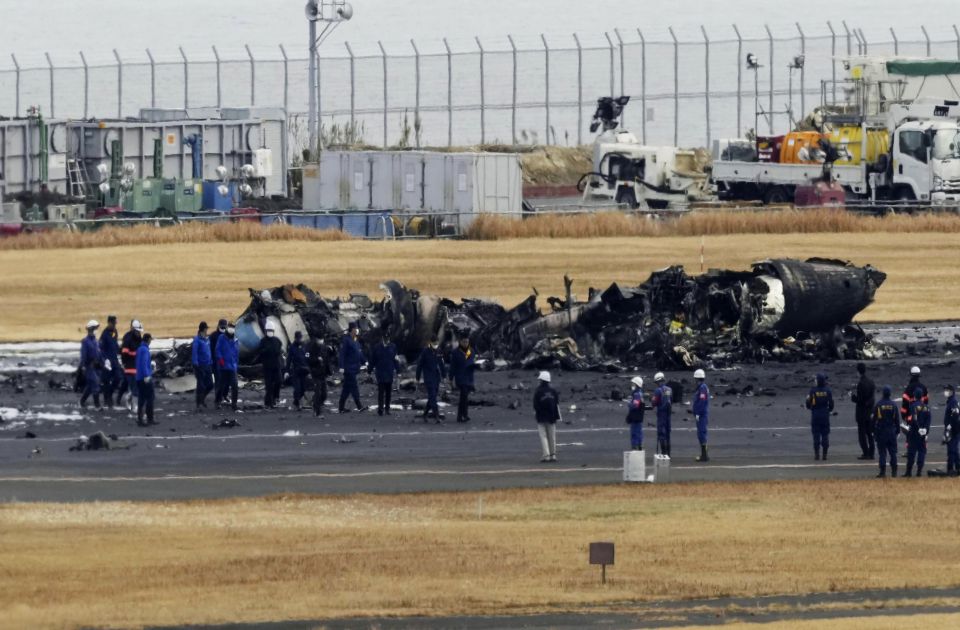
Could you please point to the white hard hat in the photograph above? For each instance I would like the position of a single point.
(699, 374)
(637, 381)
(915, 370)
(544, 376)
(93, 324)
(658, 377)
(136, 325)
(270, 327)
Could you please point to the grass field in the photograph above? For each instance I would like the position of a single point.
(130, 564)
(51, 293)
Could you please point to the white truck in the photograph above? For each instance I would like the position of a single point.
(922, 162)
(629, 172)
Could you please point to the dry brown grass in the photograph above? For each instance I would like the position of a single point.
(130, 564)
(709, 223)
(148, 234)
(50, 294)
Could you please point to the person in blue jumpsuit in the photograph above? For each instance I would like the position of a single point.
(432, 370)
(298, 367)
(820, 404)
(951, 431)
(635, 411)
(384, 367)
(91, 362)
(701, 412)
(886, 427)
(917, 429)
(145, 391)
(351, 360)
(202, 359)
(662, 401)
(112, 372)
(228, 361)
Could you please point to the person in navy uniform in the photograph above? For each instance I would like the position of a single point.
(202, 359)
(701, 412)
(918, 426)
(91, 362)
(384, 367)
(951, 430)
(351, 360)
(145, 391)
(298, 367)
(635, 413)
(863, 397)
(432, 370)
(662, 401)
(270, 353)
(820, 404)
(228, 362)
(319, 361)
(463, 363)
(886, 427)
(112, 372)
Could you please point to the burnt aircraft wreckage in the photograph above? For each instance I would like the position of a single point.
(782, 309)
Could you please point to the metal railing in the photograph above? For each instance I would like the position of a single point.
(534, 89)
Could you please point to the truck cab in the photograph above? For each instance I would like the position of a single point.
(926, 161)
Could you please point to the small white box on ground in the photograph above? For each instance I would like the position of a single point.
(634, 466)
(661, 468)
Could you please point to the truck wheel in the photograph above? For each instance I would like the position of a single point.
(904, 194)
(627, 196)
(775, 195)
(657, 204)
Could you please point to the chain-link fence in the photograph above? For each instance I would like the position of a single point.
(521, 90)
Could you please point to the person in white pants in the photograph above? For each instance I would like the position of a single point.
(546, 406)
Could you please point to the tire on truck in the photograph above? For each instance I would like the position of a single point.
(777, 195)
(627, 195)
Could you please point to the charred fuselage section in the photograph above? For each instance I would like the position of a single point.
(782, 309)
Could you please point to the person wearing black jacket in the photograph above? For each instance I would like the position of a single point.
(431, 369)
(319, 364)
(463, 363)
(546, 406)
(271, 358)
(214, 338)
(298, 367)
(128, 361)
(864, 399)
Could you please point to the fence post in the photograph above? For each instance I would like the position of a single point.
(612, 70)
(740, 62)
(383, 54)
(576, 40)
(253, 77)
(926, 36)
(416, 107)
(956, 34)
(86, 84)
(52, 93)
(833, 61)
(770, 115)
(843, 23)
(513, 119)
(863, 37)
(623, 88)
(449, 93)
(216, 57)
(119, 83)
(706, 62)
(896, 42)
(186, 79)
(483, 98)
(16, 70)
(153, 79)
(803, 52)
(859, 43)
(643, 86)
(676, 87)
(546, 52)
(286, 79)
(353, 92)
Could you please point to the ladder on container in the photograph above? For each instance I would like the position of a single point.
(77, 182)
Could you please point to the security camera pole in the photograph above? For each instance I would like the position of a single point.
(331, 13)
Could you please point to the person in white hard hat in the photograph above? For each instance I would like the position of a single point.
(91, 362)
(128, 360)
(271, 358)
(701, 412)
(910, 390)
(546, 406)
(635, 413)
(662, 401)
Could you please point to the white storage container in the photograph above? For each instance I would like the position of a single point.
(634, 466)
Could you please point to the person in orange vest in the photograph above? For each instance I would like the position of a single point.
(128, 360)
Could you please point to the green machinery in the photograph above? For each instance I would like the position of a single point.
(149, 195)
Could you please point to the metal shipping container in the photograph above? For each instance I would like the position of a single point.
(20, 155)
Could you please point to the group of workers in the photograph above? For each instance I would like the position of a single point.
(123, 370)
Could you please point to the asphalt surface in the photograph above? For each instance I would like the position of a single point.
(758, 430)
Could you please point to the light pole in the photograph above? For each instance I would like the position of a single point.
(754, 64)
(796, 63)
(331, 13)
